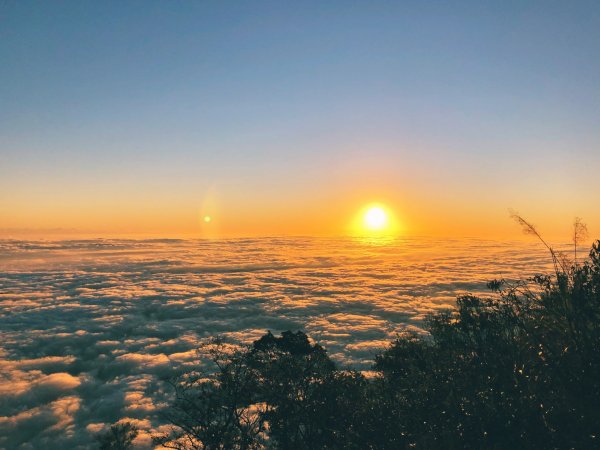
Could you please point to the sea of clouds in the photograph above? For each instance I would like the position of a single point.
(90, 329)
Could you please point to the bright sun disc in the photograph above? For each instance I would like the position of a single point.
(375, 219)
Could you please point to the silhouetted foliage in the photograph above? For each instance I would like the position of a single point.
(520, 370)
(119, 436)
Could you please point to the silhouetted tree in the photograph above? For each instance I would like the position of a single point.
(119, 436)
(217, 409)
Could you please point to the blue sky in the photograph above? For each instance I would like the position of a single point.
(473, 106)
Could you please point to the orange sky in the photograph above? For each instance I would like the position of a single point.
(298, 213)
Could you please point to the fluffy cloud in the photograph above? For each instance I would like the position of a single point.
(91, 329)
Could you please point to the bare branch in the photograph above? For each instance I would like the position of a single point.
(580, 234)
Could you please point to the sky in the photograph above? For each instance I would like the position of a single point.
(286, 118)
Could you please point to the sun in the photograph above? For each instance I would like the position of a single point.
(375, 219)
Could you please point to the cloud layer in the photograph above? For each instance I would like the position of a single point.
(92, 328)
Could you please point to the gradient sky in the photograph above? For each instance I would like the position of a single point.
(139, 118)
